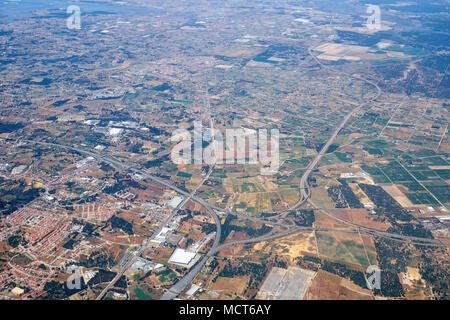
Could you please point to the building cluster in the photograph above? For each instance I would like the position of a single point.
(37, 223)
(31, 277)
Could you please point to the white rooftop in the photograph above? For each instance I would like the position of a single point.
(349, 175)
(182, 257)
(175, 201)
(161, 237)
(115, 131)
(194, 288)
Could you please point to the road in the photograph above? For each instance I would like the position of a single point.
(279, 222)
(119, 166)
(303, 185)
(166, 224)
(138, 253)
(178, 287)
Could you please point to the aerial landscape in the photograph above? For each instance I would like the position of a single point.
(224, 150)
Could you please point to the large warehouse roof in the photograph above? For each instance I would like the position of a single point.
(182, 257)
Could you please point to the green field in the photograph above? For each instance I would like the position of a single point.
(141, 294)
(422, 198)
(376, 174)
(167, 276)
(184, 174)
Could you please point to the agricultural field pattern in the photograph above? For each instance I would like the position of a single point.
(224, 150)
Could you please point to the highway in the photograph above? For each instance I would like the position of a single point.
(303, 185)
(166, 223)
(305, 194)
(278, 221)
(138, 253)
(119, 166)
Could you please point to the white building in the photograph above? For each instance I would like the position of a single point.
(193, 290)
(174, 202)
(354, 175)
(161, 237)
(183, 258)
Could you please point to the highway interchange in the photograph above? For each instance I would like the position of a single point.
(282, 226)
